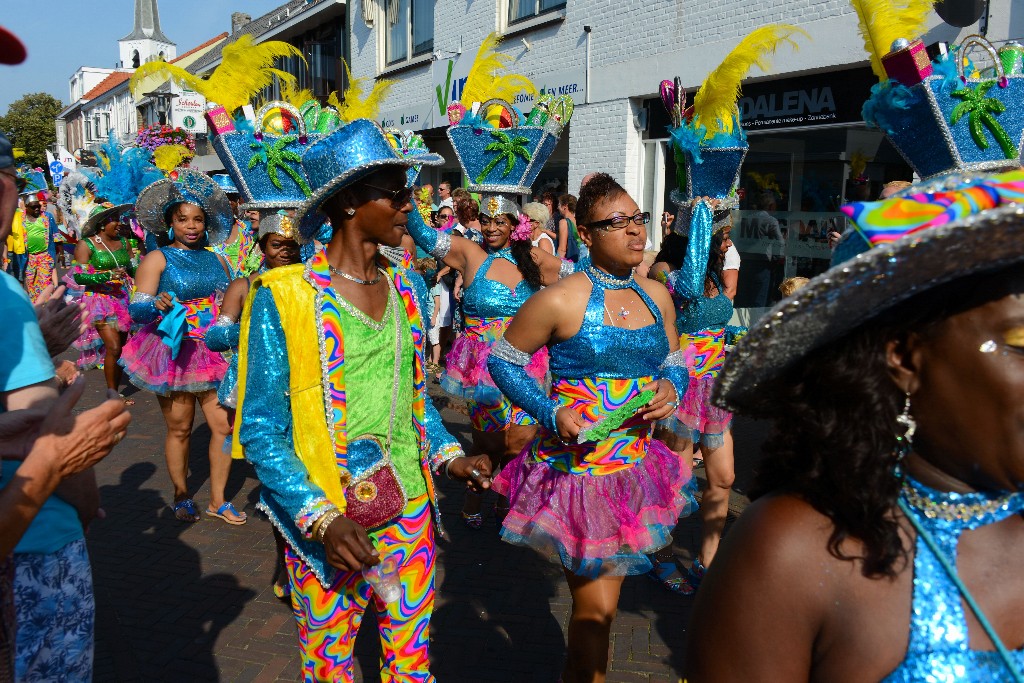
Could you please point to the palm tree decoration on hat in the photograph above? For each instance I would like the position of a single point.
(275, 156)
(507, 148)
(981, 113)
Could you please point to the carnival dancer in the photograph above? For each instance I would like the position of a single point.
(104, 265)
(40, 269)
(501, 276)
(177, 292)
(240, 248)
(709, 146)
(350, 486)
(596, 502)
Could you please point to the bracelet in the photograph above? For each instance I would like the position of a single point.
(320, 526)
(448, 466)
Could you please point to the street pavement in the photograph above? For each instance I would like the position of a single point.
(179, 602)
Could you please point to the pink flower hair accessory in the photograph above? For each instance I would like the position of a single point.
(523, 231)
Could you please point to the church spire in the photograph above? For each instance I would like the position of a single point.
(147, 23)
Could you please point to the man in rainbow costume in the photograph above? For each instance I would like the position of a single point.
(335, 416)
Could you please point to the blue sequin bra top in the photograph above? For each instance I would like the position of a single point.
(485, 299)
(704, 313)
(192, 273)
(600, 350)
(938, 648)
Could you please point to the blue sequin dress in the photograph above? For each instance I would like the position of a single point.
(938, 648)
(197, 278)
(596, 508)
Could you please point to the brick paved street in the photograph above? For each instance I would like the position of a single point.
(182, 602)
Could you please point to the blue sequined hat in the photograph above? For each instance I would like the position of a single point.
(508, 160)
(408, 145)
(35, 181)
(344, 156)
(263, 160)
(225, 183)
(188, 186)
(942, 120)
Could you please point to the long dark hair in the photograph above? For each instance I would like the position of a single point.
(833, 442)
(673, 252)
(522, 251)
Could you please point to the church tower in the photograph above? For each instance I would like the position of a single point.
(146, 42)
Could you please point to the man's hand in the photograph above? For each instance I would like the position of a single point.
(348, 546)
(61, 323)
(475, 471)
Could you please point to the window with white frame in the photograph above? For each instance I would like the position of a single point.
(519, 10)
(409, 29)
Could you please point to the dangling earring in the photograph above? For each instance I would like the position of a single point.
(905, 441)
(170, 234)
(350, 212)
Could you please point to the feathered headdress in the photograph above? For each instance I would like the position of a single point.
(245, 69)
(354, 105)
(882, 22)
(715, 105)
(126, 171)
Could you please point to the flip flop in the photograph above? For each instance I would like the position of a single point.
(185, 510)
(127, 400)
(662, 573)
(228, 507)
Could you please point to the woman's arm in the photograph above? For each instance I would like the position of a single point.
(552, 268)
(545, 244)
(687, 283)
(223, 335)
(729, 280)
(454, 250)
(563, 237)
(147, 304)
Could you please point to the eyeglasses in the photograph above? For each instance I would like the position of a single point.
(398, 197)
(500, 222)
(534, 221)
(620, 222)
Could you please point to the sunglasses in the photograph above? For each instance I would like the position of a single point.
(399, 197)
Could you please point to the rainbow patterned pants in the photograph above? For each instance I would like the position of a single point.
(328, 620)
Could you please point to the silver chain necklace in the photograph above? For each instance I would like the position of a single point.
(354, 279)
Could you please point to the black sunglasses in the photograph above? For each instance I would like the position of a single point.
(619, 222)
(399, 197)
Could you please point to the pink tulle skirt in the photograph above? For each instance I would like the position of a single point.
(147, 363)
(466, 374)
(596, 525)
(697, 418)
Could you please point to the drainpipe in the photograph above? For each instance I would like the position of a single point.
(586, 77)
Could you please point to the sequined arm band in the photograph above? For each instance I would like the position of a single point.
(434, 242)
(142, 308)
(566, 269)
(508, 369)
(311, 513)
(223, 335)
(674, 370)
(440, 460)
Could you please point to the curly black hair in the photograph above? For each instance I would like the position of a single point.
(601, 188)
(833, 442)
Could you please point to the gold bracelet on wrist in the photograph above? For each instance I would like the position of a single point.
(318, 522)
(324, 522)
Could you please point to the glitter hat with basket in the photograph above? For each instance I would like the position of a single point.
(185, 185)
(500, 150)
(941, 118)
(707, 141)
(926, 237)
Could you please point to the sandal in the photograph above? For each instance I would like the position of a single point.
(185, 511)
(222, 511)
(473, 521)
(128, 401)
(663, 572)
(695, 573)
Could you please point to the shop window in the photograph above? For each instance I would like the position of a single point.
(409, 31)
(519, 10)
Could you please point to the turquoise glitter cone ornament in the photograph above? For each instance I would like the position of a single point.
(950, 122)
(265, 162)
(504, 160)
(408, 145)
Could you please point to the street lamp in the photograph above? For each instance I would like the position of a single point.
(163, 101)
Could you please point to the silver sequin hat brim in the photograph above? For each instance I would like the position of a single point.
(271, 223)
(308, 215)
(155, 199)
(841, 299)
(505, 205)
(92, 225)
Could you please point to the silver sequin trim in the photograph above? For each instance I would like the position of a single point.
(510, 354)
(566, 269)
(140, 298)
(676, 358)
(308, 508)
(443, 245)
(224, 321)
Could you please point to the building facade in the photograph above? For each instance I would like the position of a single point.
(803, 118)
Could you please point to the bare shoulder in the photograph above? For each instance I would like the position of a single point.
(656, 291)
(154, 260)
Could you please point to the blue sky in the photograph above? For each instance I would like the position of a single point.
(62, 35)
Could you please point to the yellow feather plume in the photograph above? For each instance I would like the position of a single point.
(714, 106)
(880, 22)
(245, 69)
(487, 78)
(294, 96)
(169, 157)
(354, 105)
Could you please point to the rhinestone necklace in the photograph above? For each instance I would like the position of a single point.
(607, 280)
(951, 511)
(354, 279)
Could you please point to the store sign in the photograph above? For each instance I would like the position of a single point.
(571, 82)
(818, 99)
(187, 112)
(412, 117)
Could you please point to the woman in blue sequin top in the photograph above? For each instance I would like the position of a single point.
(183, 281)
(498, 278)
(886, 536)
(600, 507)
